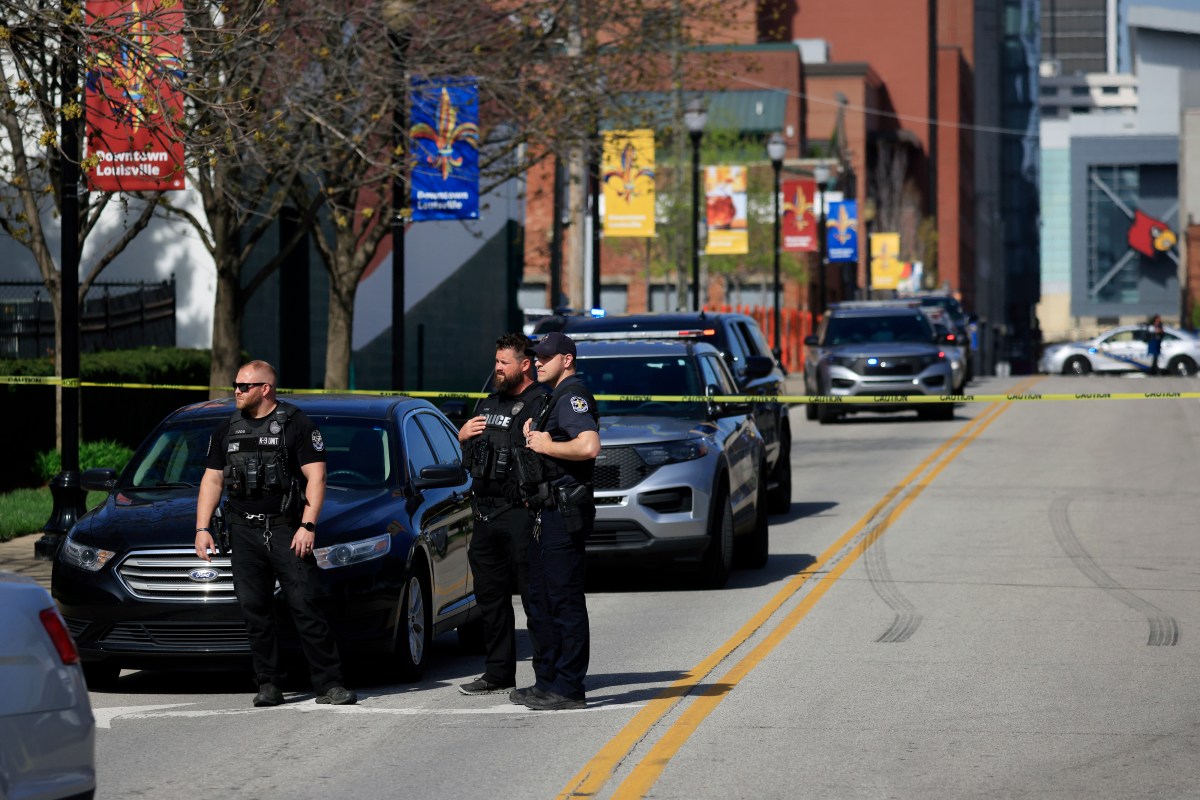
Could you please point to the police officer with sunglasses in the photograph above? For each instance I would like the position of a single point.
(269, 460)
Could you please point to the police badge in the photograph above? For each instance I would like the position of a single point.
(516, 409)
(275, 426)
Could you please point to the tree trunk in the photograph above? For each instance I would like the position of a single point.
(338, 334)
(227, 332)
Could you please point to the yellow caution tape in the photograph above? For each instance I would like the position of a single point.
(883, 399)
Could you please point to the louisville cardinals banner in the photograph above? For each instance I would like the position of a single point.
(886, 267)
(799, 223)
(841, 231)
(1150, 236)
(445, 149)
(627, 175)
(133, 105)
(725, 211)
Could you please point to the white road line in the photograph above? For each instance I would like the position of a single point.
(105, 716)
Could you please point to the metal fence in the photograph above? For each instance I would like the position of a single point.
(114, 315)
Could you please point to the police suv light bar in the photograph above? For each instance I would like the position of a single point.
(622, 336)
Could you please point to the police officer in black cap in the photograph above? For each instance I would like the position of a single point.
(270, 459)
(566, 438)
(502, 523)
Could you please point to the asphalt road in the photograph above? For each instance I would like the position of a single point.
(1006, 605)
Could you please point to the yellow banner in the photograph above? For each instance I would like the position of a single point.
(886, 267)
(627, 174)
(725, 211)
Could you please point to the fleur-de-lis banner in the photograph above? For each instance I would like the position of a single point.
(799, 216)
(886, 267)
(133, 103)
(444, 171)
(841, 231)
(627, 175)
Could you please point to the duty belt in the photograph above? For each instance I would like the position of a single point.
(263, 521)
(495, 506)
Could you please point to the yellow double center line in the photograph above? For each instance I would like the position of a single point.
(835, 560)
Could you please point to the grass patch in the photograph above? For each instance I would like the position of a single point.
(25, 511)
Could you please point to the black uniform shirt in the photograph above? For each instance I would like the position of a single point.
(573, 413)
(304, 446)
(506, 415)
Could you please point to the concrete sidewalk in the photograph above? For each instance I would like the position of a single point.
(16, 555)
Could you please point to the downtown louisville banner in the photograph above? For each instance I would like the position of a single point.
(799, 223)
(725, 211)
(133, 104)
(445, 149)
(841, 231)
(627, 175)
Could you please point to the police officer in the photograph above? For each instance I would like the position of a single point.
(502, 524)
(270, 460)
(567, 438)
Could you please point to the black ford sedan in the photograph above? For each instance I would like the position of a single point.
(392, 544)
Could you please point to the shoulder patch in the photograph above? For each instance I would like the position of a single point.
(318, 442)
(578, 404)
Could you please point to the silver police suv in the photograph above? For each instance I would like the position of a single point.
(884, 349)
(680, 483)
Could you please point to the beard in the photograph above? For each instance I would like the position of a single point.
(502, 382)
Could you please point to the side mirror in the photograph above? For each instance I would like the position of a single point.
(759, 366)
(441, 476)
(722, 409)
(98, 480)
(810, 341)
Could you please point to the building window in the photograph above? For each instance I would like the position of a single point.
(1049, 91)
(1112, 266)
(1080, 91)
(1111, 89)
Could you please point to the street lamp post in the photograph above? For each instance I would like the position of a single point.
(396, 14)
(694, 117)
(69, 497)
(776, 149)
(821, 175)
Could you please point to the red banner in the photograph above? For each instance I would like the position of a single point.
(799, 224)
(133, 141)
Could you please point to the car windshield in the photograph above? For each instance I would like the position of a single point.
(642, 377)
(879, 329)
(358, 454)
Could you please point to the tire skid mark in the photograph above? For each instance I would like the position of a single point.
(1164, 628)
(906, 619)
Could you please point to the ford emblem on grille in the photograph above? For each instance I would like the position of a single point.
(204, 575)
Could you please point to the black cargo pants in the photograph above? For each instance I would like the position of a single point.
(255, 570)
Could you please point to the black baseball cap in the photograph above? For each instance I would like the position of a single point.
(551, 345)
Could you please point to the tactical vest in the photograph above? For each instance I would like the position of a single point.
(256, 456)
(488, 455)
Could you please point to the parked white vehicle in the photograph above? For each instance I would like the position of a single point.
(47, 732)
(1123, 349)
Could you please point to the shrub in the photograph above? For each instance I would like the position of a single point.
(92, 455)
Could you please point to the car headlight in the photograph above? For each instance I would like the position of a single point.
(84, 556)
(841, 361)
(343, 555)
(660, 453)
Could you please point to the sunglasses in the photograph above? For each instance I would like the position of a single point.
(245, 387)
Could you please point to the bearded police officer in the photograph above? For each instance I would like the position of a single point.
(269, 459)
(502, 524)
(558, 487)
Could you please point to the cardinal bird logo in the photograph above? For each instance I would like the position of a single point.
(1150, 236)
